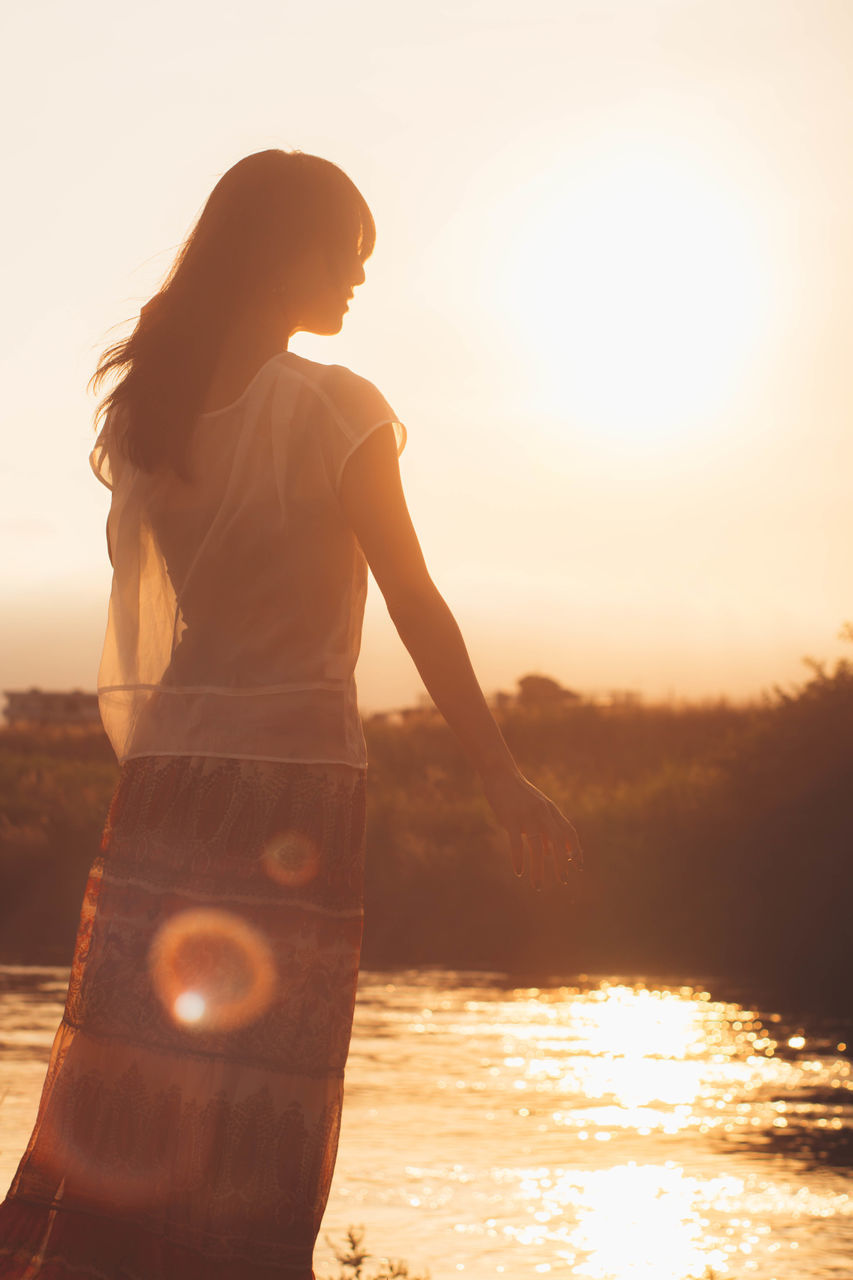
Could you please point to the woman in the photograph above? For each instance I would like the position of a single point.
(189, 1121)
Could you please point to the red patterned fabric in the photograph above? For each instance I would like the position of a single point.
(189, 1121)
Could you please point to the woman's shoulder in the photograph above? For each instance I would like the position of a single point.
(351, 405)
(330, 379)
(347, 397)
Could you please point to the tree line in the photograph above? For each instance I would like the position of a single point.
(718, 840)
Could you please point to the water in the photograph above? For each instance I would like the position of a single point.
(607, 1129)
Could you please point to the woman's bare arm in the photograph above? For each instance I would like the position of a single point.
(373, 500)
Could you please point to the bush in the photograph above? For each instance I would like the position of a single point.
(352, 1257)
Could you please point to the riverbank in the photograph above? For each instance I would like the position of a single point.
(717, 840)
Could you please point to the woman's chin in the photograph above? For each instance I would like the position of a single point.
(328, 327)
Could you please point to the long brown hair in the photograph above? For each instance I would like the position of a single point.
(261, 214)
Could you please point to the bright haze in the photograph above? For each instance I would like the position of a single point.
(611, 298)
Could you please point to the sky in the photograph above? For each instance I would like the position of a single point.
(611, 299)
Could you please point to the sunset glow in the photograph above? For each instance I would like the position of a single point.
(610, 297)
(644, 287)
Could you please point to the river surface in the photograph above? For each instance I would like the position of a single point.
(603, 1128)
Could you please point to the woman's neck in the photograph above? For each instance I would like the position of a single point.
(248, 344)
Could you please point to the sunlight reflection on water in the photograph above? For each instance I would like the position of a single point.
(610, 1130)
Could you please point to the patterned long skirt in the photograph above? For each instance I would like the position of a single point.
(189, 1121)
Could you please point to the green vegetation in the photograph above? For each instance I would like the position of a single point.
(353, 1257)
(718, 841)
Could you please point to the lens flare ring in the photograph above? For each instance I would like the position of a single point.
(212, 971)
(292, 859)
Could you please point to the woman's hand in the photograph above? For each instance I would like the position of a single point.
(528, 815)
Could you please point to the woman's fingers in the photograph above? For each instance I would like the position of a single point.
(565, 837)
(563, 829)
(556, 854)
(517, 849)
(546, 834)
(536, 844)
(577, 851)
(564, 846)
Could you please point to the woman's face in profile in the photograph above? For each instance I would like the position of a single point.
(329, 279)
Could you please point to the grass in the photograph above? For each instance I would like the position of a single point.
(357, 1264)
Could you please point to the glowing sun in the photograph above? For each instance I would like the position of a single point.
(639, 288)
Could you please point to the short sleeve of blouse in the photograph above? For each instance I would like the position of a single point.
(356, 408)
(105, 459)
(99, 460)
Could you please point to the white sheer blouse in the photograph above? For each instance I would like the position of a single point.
(237, 599)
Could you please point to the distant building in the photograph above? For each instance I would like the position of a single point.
(534, 692)
(540, 691)
(40, 706)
